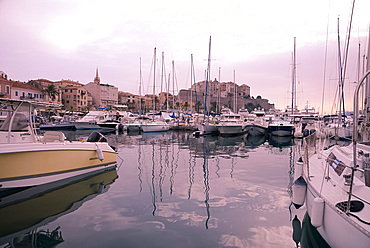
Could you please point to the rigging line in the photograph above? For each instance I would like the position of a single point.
(325, 61)
(347, 48)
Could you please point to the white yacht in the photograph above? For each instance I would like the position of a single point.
(231, 124)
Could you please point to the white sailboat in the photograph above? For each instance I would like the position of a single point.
(207, 126)
(154, 125)
(335, 184)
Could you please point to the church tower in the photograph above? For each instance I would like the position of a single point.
(97, 78)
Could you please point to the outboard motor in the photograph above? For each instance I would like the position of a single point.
(96, 137)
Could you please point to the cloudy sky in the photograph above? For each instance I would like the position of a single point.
(69, 39)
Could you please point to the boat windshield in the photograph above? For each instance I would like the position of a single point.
(20, 122)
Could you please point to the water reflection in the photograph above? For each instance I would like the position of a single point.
(208, 192)
(22, 213)
(281, 141)
(206, 182)
(306, 235)
(253, 141)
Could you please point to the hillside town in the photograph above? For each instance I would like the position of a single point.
(75, 96)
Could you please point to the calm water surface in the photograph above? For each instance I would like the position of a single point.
(171, 190)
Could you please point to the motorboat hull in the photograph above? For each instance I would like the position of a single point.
(151, 128)
(255, 130)
(30, 164)
(230, 130)
(85, 125)
(207, 128)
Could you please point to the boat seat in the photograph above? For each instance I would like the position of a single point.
(52, 136)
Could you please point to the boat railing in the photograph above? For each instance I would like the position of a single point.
(309, 148)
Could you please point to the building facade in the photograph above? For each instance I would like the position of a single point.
(24, 91)
(5, 86)
(75, 98)
(103, 95)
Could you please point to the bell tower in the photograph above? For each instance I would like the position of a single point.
(97, 78)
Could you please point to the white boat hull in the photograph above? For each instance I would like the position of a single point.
(153, 127)
(230, 129)
(337, 228)
(207, 128)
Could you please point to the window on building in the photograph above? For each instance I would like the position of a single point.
(23, 94)
(16, 93)
(67, 101)
(70, 91)
(7, 89)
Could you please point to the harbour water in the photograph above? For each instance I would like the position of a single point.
(170, 190)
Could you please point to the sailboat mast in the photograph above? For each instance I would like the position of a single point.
(294, 78)
(141, 79)
(154, 61)
(173, 84)
(340, 69)
(367, 96)
(195, 88)
(168, 89)
(207, 75)
(219, 90)
(235, 95)
(162, 76)
(191, 83)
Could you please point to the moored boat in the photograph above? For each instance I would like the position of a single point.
(337, 192)
(28, 159)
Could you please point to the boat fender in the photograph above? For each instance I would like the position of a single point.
(317, 212)
(297, 230)
(299, 192)
(306, 132)
(100, 153)
(298, 169)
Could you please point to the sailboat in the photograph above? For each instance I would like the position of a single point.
(154, 125)
(341, 126)
(280, 126)
(207, 125)
(336, 183)
(135, 126)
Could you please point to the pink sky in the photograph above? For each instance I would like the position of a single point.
(69, 39)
